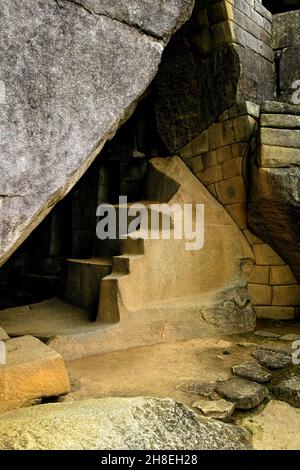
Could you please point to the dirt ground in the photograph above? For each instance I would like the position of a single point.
(157, 370)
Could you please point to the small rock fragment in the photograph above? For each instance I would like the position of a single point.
(203, 389)
(288, 390)
(267, 334)
(244, 394)
(217, 409)
(272, 358)
(252, 371)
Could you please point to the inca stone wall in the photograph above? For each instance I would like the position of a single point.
(220, 157)
(221, 56)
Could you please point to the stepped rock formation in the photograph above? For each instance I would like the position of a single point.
(70, 74)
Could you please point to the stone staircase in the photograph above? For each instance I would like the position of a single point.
(155, 290)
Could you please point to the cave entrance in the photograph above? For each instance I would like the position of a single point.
(51, 284)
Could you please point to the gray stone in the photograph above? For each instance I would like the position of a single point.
(288, 390)
(244, 108)
(280, 121)
(203, 389)
(280, 137)
(267, 334)
(158, 19)
(286, 30)
(217, 409)
(117, 424)
(252, 371)
(69, 79)
(244, 394)
(277, 107)
(272, 358)
(32, 371)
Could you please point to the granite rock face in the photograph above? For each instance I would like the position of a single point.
(117, 424)
(69, 78)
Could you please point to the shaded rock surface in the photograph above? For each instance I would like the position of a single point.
(69, 79)
(252, 371)
(244, 394)
(117, 424)
(32, 371)
(288, 390)
(272, 358)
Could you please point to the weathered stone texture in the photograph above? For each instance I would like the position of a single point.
(71, 78)
(117, 424)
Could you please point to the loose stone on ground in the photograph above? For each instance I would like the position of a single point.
(244, 394)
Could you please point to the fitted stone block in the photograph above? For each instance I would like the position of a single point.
(238, 212)
(281, 275)
(209, 159)
(286, 295)
(286, 30)
(224, 153)
(259, 275)
(275, 313)
(279, 121)
(260, 294)
(265, 255)
(231, 191)
(221, 134)
(232, 168)
(280, 137)
(243, 128)
(211, 175)
(278, 157)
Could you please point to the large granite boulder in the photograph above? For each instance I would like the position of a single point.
(70, 75)
(117, 424)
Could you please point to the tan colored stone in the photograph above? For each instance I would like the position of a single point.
(239, 214)
(200, 143)
(195, 164)
(275, 313)
(232, 168)
(286, 295)
(277, 157)
(239, 149)
(265, 255)
(3, 335)
(252, 239)
(211, 175)
(209, 159)
(243, 128)
(224, 154)
(221, 134)
(187, 152)
(33, 371)
(212, 190)
(282, 275)
(260, 294)
(259, 275)
(231, 191)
